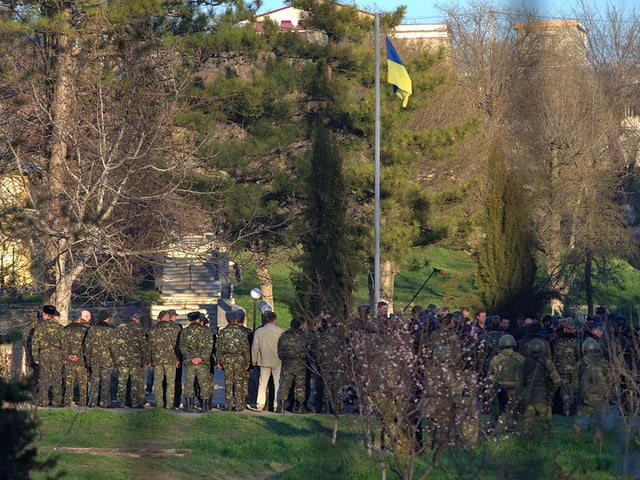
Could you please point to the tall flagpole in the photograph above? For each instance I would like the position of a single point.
(376, 30)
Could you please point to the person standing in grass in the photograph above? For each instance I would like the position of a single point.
(505, 378)
(46, 349)
(100, 361)
(75, 369)
(540, 382)
(234, 358)
(131, 354)
(264, 353)
(195, 344)
(292, 351)
(163, 348)
(593, 390)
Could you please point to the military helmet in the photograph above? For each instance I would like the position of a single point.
(569, 323)
(507, 341)
(590, 345)
(441, 352)
(536, 346)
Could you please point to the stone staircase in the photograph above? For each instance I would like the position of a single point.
(193, 276)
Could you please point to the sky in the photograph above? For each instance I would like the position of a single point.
(425, 11)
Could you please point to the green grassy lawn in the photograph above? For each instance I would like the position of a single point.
(233, 446)
(455, 289)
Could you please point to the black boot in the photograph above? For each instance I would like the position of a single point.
(296, 407)
(206, 405)
(188, 404)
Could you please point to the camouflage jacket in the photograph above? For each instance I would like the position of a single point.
(292, 346)
(196, 341)
(163, 343)
(566, 353)
(233, 341)
(47, 340)
(490, 348)
(332, 345)
(73, 336)
(130, 348)
(98, 346)
(540, 379)
(506, 369)
(592, 381)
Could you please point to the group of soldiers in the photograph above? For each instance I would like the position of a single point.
(523, 370)
(96, 364)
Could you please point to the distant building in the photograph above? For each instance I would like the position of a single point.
(432, 36)
(551, 44)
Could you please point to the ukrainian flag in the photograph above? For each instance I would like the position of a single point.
(397, 74)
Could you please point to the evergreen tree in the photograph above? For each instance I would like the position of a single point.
(506, 266)
(327, 267)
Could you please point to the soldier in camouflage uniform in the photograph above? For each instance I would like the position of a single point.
(234, 357)
(100, 361)
(592, 387)
(75, 369)
(163, 347)
(565, 351)
(540, 382)
(196, 346)
(332, 345)
(443, 391)
(131, 354)
(505, 378)
(46, 349)
(292, 350)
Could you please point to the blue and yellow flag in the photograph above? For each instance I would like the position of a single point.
(397, 74)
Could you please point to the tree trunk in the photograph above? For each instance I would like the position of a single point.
(57, 287)
(588, 282)
(264, 279)
(387, 277)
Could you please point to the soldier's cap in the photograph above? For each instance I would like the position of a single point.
(172, 313)
(231, 316)
(130, 312)
(103, 315)
(596, 324)
(193, 316)
(50, 310)
(620, 320)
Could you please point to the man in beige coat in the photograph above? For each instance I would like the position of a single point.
(264, 352)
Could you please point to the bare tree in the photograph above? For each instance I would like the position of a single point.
(89, 106)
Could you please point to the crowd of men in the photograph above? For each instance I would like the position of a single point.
(518, 372)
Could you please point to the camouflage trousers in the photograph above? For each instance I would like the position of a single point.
(590, 416)
(541, 411)
(164, 374)
(100, 386)
(134, 378)
(76, 373)
(564, 395)
(293, 373)
(201, 373)
(50, 378)
(235, 384)
(504, 406)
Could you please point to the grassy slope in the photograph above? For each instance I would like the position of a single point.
(455, 289)
(249, 446)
